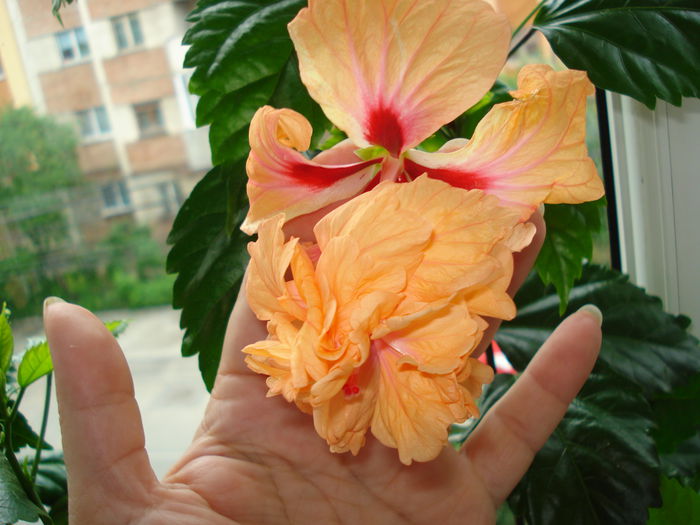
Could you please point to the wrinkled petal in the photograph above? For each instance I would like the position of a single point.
(415, 409)
(527, 151)
(465, 225)
(344, 419)
(281, 179)
(269, 259)
(473, 376)
(391, 72)
(436, 343)
(515, 10)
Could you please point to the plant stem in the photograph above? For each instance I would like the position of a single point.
(529, 16)
(26, 485)
(15, 405)
(522, 42)
(42, 432)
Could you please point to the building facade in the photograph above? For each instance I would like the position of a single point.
(113, 70)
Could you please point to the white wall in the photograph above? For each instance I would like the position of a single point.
(657, 170)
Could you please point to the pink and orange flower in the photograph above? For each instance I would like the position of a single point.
(373, 321)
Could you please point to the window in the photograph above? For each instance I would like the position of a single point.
(115, 196)
(93, 122)
(73, 44)
(127, 31)
(149, 118)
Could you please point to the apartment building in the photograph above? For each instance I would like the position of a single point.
(113, 70)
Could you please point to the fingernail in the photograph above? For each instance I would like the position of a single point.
(51, 300)
(593, 311)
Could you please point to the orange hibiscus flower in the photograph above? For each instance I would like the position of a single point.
(373, 326)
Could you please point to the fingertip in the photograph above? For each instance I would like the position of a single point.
(593, 312)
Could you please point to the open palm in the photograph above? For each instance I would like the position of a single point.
(256, 460)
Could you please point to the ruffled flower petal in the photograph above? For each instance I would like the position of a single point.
(527, 151)
(391, 72)
(414, 410)
(281, 179)
(351, 342)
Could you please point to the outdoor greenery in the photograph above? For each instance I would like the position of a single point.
(42, 187)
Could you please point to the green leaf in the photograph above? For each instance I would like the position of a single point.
(116, 327)
(14, 504)
(599, 466)
(210, 264)
(684, 462)
(23, 435)
(465, 124)
(646, 49)
(6, 343)
(678, 416)
(36, 363)
(569, 242)
(243, 59)
(681, 505)
(641, 342)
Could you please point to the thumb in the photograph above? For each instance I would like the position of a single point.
(103, 439)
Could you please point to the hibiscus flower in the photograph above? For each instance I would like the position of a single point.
(374, 326)
(389, 73)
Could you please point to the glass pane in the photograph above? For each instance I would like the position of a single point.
(85, 122)
(109, 196)
(124, 192)
(102, 120)
(82, 42)
(65, 46)
(135, 29)
(119, 34)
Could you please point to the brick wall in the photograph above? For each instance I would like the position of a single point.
(139, 77)
(70, 89)
(151, 154)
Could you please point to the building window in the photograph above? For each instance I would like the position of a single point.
(73, 44)
(116, 197)
(149, 118)
(127, 31)
(93, 122)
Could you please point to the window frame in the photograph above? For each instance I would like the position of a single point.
(100, 128)
(132, 39)
(121, 195)
(158, 128)
(80, 52)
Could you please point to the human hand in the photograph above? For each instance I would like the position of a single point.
(256, 460)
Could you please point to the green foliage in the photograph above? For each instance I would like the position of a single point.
(125, 269)
(14, 503)
(646, 49)
(641, 342)
(6, 342)
(210, 264)
(23, 434)
(681, 505)
(602, 459)
(36, 363)
(569, 242)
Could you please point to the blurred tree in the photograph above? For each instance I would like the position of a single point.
(38, 162)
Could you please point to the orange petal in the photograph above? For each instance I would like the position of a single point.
(281, 179)
(269, 260)
(515, 10)
(414, 409)
(527, 151)
(391, 72)
(344, 419)
(437, 342)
